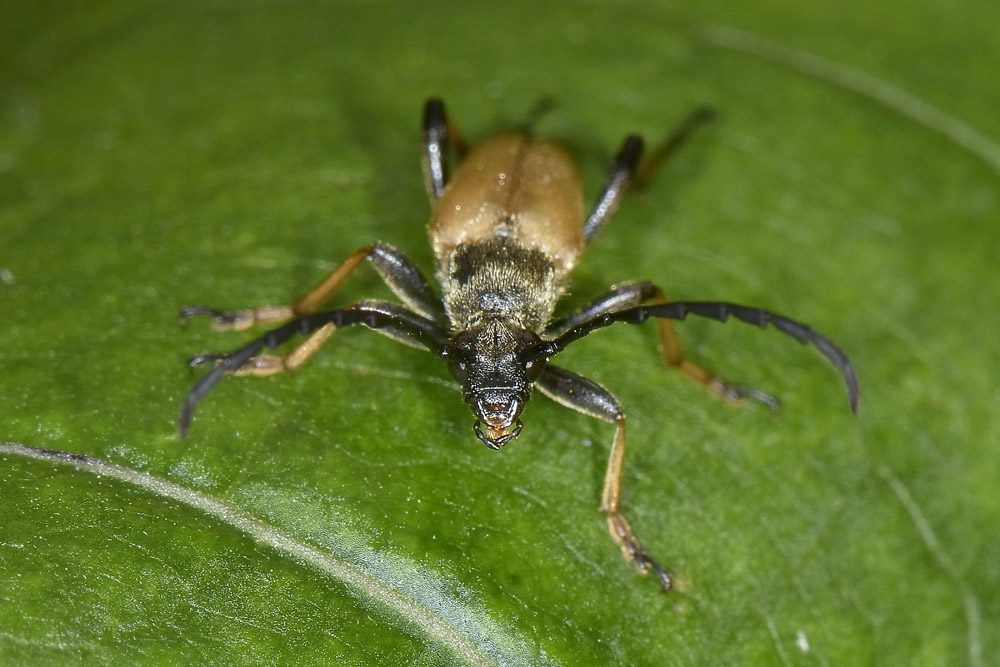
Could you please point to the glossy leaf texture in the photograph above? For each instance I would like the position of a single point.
(155, 155)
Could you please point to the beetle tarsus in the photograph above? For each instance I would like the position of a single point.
(767, 399)
(202, 359)
(646, 563)
(633, 550)
(739, 394)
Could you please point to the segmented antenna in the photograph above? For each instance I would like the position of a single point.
(716, 310)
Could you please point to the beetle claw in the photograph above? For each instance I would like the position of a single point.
(193, 311)
(204, 359)
(761, 397)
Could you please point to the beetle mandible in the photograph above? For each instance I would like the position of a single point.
(506, 230)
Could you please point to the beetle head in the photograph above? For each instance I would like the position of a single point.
(490, 361)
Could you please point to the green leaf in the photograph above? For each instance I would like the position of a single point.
(156, 155)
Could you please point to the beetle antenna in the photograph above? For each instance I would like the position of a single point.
(717, 310)
(413, 327)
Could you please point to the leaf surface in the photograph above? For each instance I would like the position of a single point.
(157, 155)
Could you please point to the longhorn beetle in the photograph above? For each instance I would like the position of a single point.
(506, 230)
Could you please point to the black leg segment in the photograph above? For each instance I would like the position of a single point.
(577, 392)
(406, 281)
(617, 184)
(435, 160)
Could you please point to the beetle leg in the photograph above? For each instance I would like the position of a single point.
(396, 270)
(627, 172)
(583, 395)
(406, 281)
(237, 320)
(665, 150)
(615, 186)
(631, 295)
(440, 135)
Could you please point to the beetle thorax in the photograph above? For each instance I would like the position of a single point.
(499, 277)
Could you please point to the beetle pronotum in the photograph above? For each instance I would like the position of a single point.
(507, 230)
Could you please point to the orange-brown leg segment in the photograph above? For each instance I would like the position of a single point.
(588, 397)
(661, 153)
(398, 272)
(611, 502)
(237, 320)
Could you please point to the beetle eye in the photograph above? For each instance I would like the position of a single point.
(533, 369)
(459, 370)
